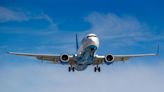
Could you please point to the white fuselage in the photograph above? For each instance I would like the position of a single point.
(86, 52)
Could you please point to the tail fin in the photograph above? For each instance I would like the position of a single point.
(77, 45)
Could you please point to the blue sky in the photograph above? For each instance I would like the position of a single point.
(49, 26)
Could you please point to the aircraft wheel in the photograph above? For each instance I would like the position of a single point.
(99, 69)
(73, 69)
(95, 69)
(69, 69)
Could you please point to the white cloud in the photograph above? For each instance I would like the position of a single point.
(124, 29)
(8, 14)
(11, 15)
(17, 15)
(55, 78)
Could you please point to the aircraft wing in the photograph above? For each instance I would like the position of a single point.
(49, 57)
(117, 58)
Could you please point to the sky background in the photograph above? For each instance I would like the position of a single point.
(49, 26)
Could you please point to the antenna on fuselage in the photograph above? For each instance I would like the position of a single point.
(77, 44)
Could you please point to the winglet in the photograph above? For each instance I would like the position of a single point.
(7, 52)
(77, 45)
(157, 53)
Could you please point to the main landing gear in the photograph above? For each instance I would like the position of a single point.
(71, 69)
(97, 68)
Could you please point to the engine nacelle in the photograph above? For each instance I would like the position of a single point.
(109, 59)
(64, 58)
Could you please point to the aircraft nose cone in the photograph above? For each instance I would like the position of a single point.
(94, 41)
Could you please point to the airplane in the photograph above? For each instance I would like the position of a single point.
(85, 55)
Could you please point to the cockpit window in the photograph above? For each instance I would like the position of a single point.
(91, 36)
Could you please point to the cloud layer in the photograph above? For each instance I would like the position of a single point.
(47, 77)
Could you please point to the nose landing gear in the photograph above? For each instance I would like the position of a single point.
(97, 68)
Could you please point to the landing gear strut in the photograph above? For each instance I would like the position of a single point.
(97, 68)
(71, 69)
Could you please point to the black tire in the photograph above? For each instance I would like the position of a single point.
(73, 69)
(69, 69)
(99, 69)
(95, 69)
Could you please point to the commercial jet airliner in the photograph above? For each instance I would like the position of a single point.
(85, 56)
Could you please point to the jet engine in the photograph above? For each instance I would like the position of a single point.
(64, 58)
(109, 59)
